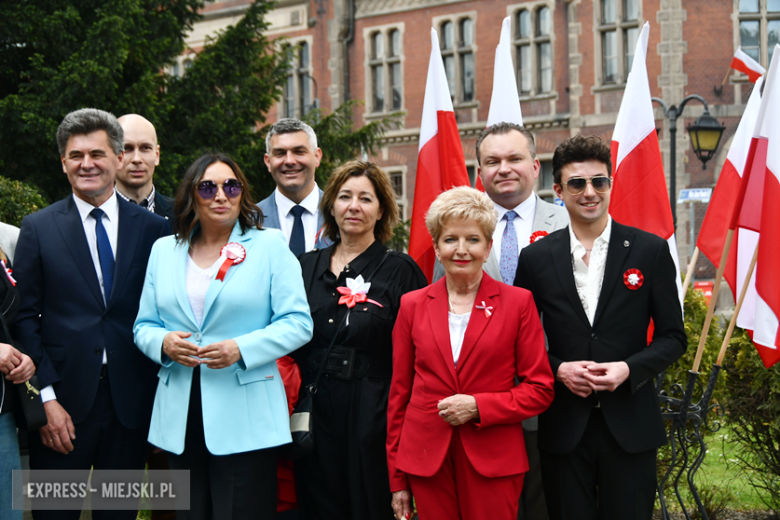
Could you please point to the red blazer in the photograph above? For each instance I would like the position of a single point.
(496, 348)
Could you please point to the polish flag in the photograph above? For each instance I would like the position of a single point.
(747, 65)
(440, 161)
(753, 224)
(505, 102)
(639, 195)
(714, 228)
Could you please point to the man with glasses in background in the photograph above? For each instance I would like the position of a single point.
(597, 285)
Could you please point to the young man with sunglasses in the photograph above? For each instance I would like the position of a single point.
(598, 284)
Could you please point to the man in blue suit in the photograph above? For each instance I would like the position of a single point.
(292, 156)
(80, 266)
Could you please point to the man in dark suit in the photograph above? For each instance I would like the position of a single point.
(135, 179)
(292, 157)
(80, 265)
(597, 285)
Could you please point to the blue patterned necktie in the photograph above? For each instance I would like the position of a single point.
(105, 253)
(297, 240)
(509, 249)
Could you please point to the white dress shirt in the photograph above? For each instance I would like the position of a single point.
(588, 278)
(523, 223)
(309, 217)
(458, 324)
(111, 224)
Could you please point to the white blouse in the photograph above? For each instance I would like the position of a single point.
(458, 324)
(198, 281)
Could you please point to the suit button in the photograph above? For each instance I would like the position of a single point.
(197, 336)
(593, 336)
(105, 318)
(98, 351)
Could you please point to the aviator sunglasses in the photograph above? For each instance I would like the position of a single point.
(576, 185)
(208, 189)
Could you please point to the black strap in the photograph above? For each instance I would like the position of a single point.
(312, 388)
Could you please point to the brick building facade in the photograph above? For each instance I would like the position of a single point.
(571, 59)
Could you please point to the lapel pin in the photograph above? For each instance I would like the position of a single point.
(633, 279)
(626, 243)
(488, 309)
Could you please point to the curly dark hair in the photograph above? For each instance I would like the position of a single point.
(383, 231)
(186, 220)
(580, 149)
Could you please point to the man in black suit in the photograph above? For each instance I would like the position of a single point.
(80, 265)
(135, 179)
(597, 284)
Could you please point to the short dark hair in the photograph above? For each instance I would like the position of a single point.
(504, 128)
(86, 121)
(580, 149)
(186, 221)
(383, 231)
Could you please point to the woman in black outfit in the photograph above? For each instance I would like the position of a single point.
(357, 281)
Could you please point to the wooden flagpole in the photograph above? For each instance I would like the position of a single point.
(689, 274)
(737, 308)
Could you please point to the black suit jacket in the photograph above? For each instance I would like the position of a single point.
(163, 206)
(63, 322)
(618, 333)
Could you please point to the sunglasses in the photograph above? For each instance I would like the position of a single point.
(208, 189)
(577, 185)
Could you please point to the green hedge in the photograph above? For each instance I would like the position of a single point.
(17, 200)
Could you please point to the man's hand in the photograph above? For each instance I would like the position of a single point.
(179, 350)
(572, 374)
(23, 371)
(9, 358)
(221, 354)
(607, 376)
(59, 432)
(402, 504)
(458, 409)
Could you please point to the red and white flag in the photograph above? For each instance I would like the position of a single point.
(747, 65)
(505, 102)
(752, 224)
(440, 161)
(715, 226)
(639, 196)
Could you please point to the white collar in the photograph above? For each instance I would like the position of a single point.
(525, 210)
(604, 237)
(109, 207)
(310, 203)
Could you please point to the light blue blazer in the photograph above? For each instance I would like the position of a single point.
(262, 305)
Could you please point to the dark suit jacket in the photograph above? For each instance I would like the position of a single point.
(496, 350)
(271, 219)
(619, 333)
(163, 206)
(63, 322)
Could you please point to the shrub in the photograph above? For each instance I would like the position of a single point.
(17, 200)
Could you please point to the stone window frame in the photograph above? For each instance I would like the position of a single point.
(763, 17)
(534, 41)
(457, 52)
(385, 61)
(298, 75)
(395, 172)
(624, 48)
(539, 188)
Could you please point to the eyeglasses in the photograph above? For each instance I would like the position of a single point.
(577, 185)
(208, 189)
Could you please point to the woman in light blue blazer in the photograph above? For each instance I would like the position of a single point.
(223, 299)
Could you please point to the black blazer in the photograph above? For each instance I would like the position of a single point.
(63, 322)
(163, 206)
(619, 333)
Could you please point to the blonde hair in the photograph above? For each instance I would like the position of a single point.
(461, 203)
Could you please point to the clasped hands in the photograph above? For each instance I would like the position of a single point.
(221, 354)
(458, 409)
(584, 377)
(16, 366)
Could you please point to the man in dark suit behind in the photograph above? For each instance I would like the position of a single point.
(135, 178)
(597, 284)
(80, 265)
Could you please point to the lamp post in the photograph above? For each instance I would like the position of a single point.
(705, 135)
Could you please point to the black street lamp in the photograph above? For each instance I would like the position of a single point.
(705, 135)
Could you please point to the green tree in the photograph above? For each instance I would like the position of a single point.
(18, 200)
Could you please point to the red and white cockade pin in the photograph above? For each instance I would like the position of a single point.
(536, 235)
(488, 309)
(633, 279)
(234, 254)
(8, 272)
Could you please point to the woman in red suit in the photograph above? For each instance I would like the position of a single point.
(469, 365)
